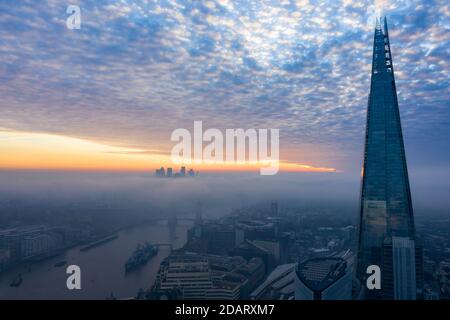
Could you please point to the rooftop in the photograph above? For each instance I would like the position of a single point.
(319, 273)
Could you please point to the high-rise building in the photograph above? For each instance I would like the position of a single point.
(323, 279)
(183, 171)
(387, 236)
(199, 213)
(274, 209)
(169, 172)
(160, 172)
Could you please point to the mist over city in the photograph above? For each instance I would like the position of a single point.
(141, 194)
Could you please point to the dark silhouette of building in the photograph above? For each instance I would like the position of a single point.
(274, 209)
(387, 236)
(160, 172)
(249, 250)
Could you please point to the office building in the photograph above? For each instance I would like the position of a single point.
(199, 276)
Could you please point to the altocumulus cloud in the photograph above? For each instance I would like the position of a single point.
(139, 69)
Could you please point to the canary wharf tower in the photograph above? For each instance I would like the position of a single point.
(387, 236)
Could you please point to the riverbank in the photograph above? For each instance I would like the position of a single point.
(102, 267)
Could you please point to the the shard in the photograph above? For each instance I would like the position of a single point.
(387, 236)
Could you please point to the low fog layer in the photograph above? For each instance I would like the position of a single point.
(145, 194)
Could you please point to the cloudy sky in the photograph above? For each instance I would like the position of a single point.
(112, 92)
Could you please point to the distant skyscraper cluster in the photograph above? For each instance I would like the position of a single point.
(162, 172)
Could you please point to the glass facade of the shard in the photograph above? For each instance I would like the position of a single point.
(387, 235)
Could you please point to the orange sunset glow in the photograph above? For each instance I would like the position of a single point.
(26, 150)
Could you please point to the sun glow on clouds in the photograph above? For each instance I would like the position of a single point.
(27, 150)
(139, 69)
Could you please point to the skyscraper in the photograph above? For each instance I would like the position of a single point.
(160, 172)
(387, 236)
(274, 209)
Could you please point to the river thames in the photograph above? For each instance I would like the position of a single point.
(102, 267)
